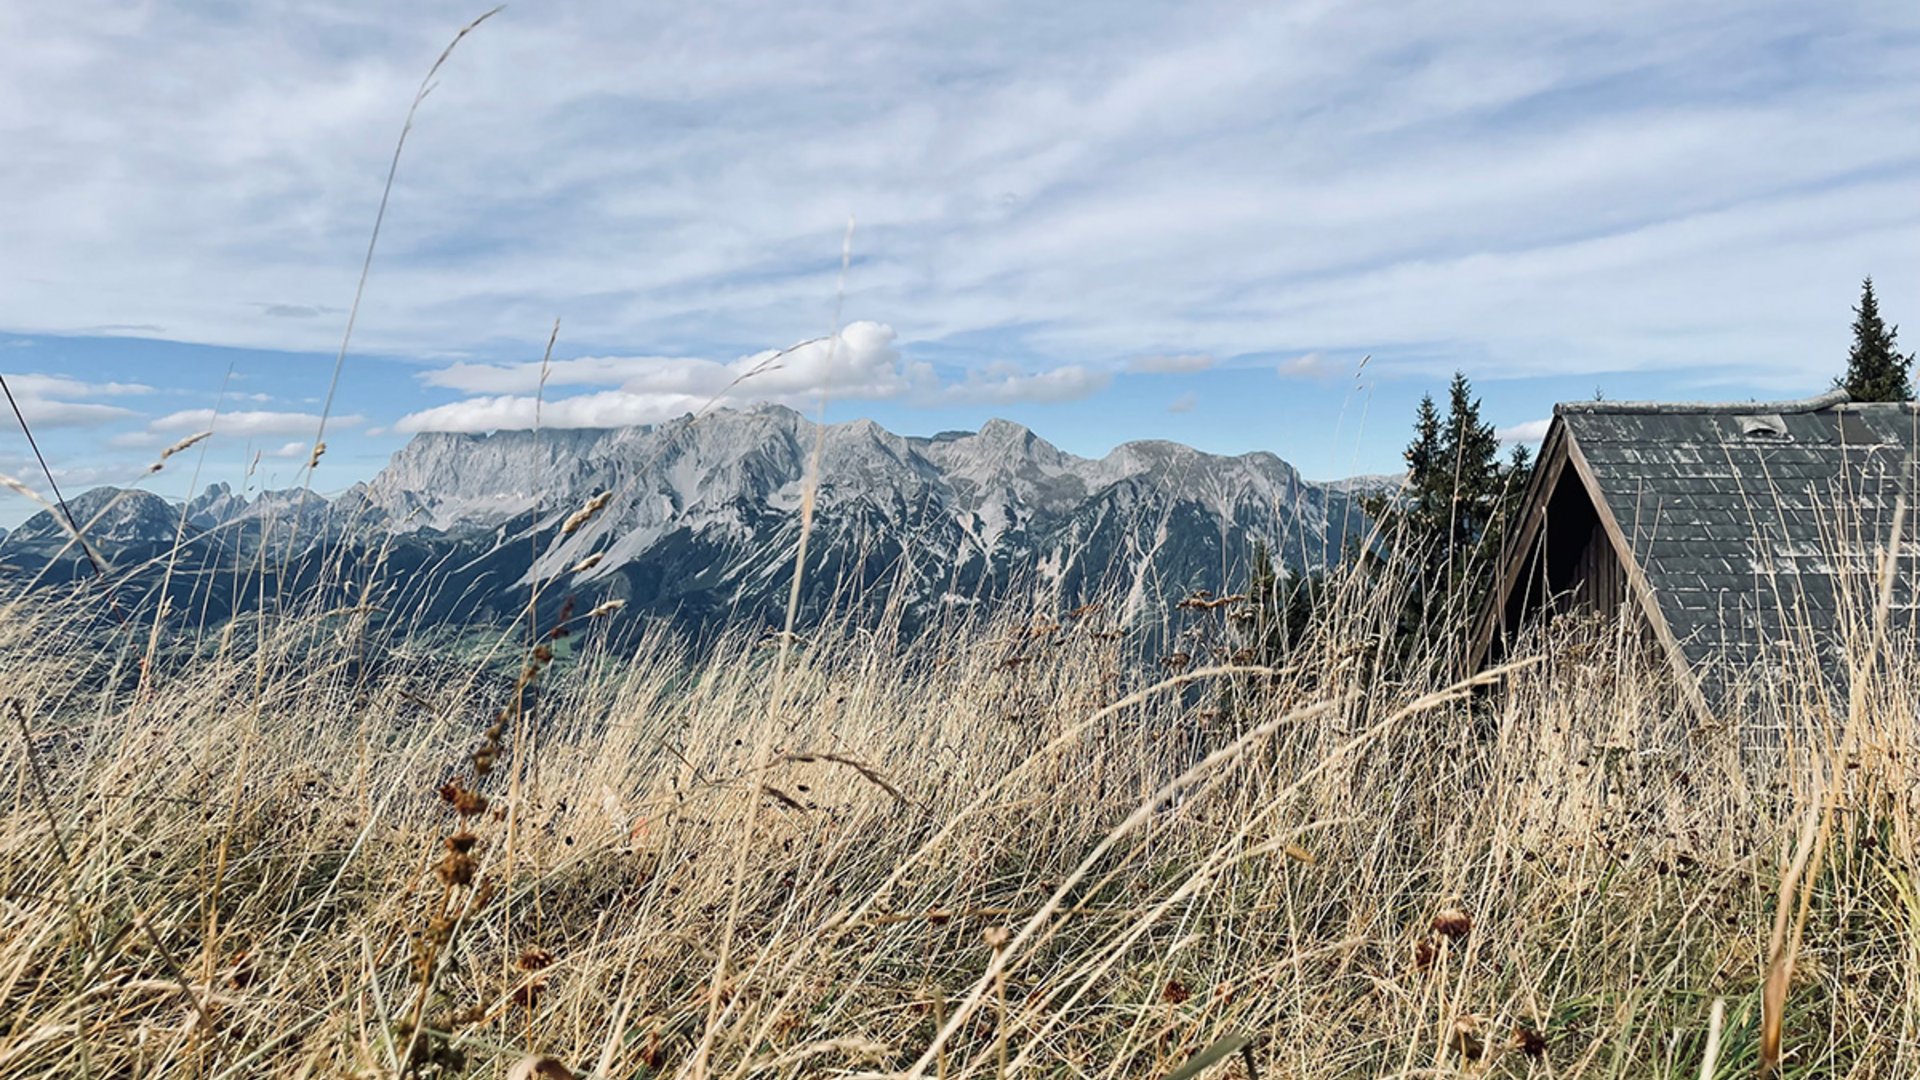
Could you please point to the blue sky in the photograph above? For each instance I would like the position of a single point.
(1106, 221)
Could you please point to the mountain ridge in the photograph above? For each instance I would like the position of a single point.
(700, 515)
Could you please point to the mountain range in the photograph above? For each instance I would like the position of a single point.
(699, 519)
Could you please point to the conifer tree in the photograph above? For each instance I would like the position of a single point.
(1416, 518)
(1876, 371)
(1445, 526)
(1470, 452)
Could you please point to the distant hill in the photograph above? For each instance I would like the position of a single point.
(702, 518)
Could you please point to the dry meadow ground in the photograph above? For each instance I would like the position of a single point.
(1001, 851)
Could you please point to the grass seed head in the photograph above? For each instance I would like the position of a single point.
(539, 1067)
(585, 514)
(457, 868)
(1466, 1038)
(1452, 924)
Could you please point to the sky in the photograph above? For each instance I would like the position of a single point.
(1242, 226)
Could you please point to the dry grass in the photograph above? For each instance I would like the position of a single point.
(238, 865)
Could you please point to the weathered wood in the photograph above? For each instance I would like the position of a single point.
(1731, 528)
(1639, 586)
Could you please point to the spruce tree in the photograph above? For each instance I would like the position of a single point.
(1876, 371)
(1445, 527)
(1429, 489)
(1470, 452)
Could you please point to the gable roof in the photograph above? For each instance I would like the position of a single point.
(1740, 525)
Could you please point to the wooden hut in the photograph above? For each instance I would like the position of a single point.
(1735, 535)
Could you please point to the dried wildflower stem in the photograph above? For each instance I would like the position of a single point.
(373, 237)
(514, 785)
(847, 918)
(997, 939)
(997, 965)
(1223, 853)
(179, 974)
(940, 1021)
(763, 749)
(53, 821)
(1789, 923)
(1710, 1059)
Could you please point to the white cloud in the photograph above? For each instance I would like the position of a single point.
(1170, 364)
(49, 401)
(247, 423)
(71, 478)
(1003, 384)
(1184, 403)
(294, 449)
(244, 424)
(35, 385)
(607, 408)
(861, 363)
(1311, 365)
(1562, 188)
(1531, 431)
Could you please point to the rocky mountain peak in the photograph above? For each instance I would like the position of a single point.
(109, 515)
(701, 516)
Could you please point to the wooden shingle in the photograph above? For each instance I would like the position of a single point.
(1741, 531)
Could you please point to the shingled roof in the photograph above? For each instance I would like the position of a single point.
(1738, 528)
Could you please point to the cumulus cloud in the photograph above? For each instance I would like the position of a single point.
(1170, 364)
(56, 401)
(860, 363)
(1531, 431)
(606, 408)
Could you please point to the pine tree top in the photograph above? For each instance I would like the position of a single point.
(1876, 369)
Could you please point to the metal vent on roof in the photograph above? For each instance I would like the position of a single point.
(1763, 426)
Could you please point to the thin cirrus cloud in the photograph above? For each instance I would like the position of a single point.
(861, 363)
(1524, 188)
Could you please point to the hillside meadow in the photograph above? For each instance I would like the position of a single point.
(296, 846)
